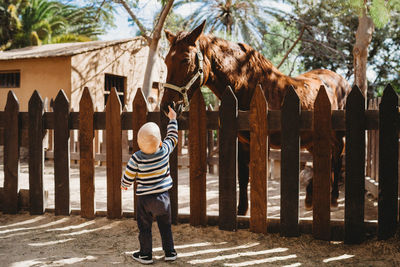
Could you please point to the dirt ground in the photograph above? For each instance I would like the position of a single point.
(50, 240)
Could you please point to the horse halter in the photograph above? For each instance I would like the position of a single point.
(184, 89)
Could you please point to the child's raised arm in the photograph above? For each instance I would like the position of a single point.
(172, 131)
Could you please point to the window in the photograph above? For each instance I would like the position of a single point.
(10, 79)
(116, 81)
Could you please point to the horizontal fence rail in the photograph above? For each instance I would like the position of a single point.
(259, 121)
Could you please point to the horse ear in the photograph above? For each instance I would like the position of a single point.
(170, 36)
(195, 34)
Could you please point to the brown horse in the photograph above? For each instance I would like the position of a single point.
(195, 59)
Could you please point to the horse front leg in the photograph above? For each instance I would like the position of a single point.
(243, 166)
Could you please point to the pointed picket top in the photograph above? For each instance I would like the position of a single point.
(228, 100)
(290, 98)
(61, 100)
(389, 97)
(197, 99)
(322, 98)
(139, 100)
(86, 101)
(355, 93)
(36, 99)
(113, 99)
(12, 101)
(228, 93)
(257, 96)
(355, 97)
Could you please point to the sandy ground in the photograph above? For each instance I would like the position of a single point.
(50, 240)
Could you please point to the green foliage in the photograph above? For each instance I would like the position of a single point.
(277, 42)
(209, 97)
(330, 35)
(244, 20)
(379, 10)
(35, 22)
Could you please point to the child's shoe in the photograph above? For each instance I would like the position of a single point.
(170, 256)
(145, 259)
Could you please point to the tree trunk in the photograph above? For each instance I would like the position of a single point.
(153, 50)
(360, 51)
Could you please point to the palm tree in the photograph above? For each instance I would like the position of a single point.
(9, 21)
(47, 21)
(235, 19)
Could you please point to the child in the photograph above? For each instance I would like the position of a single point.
(150, 168)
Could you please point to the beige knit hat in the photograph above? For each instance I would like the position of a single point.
(149, 138)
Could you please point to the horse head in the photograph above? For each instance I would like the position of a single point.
(185, 66)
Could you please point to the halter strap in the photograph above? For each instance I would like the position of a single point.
(184, 89)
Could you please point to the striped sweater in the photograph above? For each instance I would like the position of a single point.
(151, 171)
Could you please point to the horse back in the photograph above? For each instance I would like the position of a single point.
(336, 86)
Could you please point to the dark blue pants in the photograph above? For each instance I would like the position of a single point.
(148, 207)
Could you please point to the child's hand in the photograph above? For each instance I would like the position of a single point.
(124, 187)
(171, 114)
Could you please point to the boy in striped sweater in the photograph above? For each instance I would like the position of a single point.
(150, 168)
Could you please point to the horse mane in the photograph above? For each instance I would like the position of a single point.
(244, 68)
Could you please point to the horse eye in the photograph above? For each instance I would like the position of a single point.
(185, 60)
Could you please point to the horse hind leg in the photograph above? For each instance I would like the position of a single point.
(243, 168)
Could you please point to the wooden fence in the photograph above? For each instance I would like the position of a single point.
(228, 121)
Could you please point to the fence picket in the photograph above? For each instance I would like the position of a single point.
(86, 164)
(388, 164)
(198, 159)
(369, 145)
(354, 230)
(258, 162)
(376, 152)
(61, 154)
(114, 155)
(36, 154)
(11, 154)
(228, 113)
(290, 164)
(173, 167)
(322, 166)
(139, 117)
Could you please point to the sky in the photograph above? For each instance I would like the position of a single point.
(125, 29)
(148, 7)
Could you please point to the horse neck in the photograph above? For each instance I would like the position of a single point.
(241, 67)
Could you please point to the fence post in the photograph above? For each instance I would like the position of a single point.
(258, 162)
(11, 154)
(388, 164)
(354, 231)
(210, 145)
(86, 166)
(369, 146)
(61, 154)
(114, 155)
(198, 159)
(173, 165)
(36, 154)
(322, 166)
(376, 150)
(139, 117)
(228, 113)
(290, 164)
